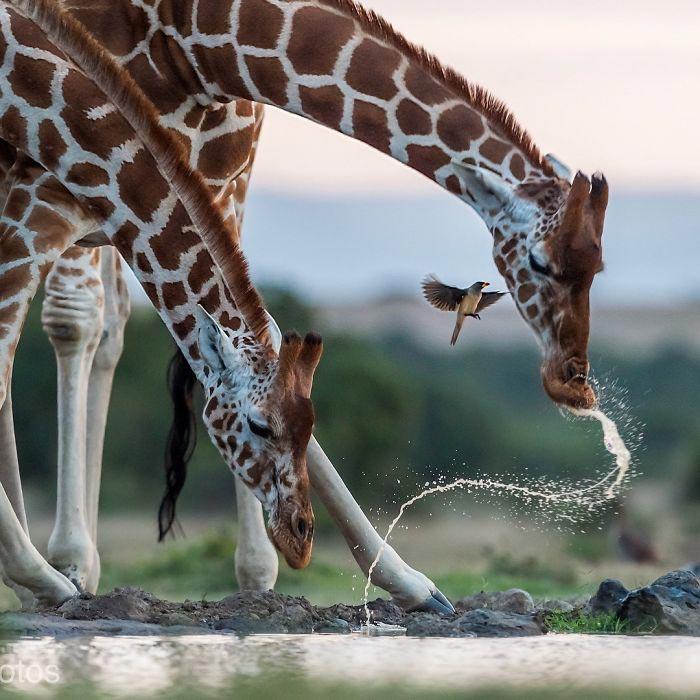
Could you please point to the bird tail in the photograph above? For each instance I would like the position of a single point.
(458, 328)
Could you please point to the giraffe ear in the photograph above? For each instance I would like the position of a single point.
(561, 170)
(493, 194)
(275, 332)
(216, 348)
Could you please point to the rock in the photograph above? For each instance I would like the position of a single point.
(670, 605)
(513, 600)
(556, 606)
(474, 623)
(121, 604)
(608, 598)
(693, 567)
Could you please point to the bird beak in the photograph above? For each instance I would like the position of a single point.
(486, 284)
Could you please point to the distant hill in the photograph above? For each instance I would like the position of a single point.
(630, 328)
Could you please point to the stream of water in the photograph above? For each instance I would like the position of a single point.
(559, 500)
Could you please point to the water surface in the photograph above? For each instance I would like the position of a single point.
(125, 666)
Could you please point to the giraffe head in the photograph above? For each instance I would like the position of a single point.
(258, 412)
(548, 246)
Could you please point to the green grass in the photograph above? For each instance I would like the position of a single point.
(203, 568)
(578, 623)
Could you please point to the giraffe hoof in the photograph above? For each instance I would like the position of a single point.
(435, 603)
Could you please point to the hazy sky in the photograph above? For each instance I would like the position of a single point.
(611, 85)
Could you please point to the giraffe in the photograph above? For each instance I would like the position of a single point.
(258, 407)
(332, 62)
(76, 296)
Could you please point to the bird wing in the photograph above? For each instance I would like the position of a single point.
(440, 295)
(488, 299)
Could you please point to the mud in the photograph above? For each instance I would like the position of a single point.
(133, 611)
(670, 605)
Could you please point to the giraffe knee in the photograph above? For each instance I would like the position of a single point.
(73, 316)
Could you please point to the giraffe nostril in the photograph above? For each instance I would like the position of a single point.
(575, 370)
(302, 527)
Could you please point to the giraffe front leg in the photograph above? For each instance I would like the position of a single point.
(38, 223)
(409, 588)
(256, 559)
(116, 313)
(10, 480)
(73, 318)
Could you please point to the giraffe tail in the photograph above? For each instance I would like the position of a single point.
(182, 439)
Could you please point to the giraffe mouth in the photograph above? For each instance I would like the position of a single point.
(566, 383)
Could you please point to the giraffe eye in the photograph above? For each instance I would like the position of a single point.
(537, 266)
(260, 429)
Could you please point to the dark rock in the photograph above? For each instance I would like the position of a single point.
(694, 568)
(670, 605)
(513, 600)
(608, 598)
(474, 623)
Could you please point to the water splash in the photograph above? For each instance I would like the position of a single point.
(559, 500)
(614, 444)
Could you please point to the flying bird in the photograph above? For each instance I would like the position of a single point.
(466, 302)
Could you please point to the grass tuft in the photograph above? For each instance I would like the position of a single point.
(579, 623)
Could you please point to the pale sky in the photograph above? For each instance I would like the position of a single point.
(605, 84)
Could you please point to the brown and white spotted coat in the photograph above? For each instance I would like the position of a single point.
(335, 63)
(56, 116)
(327, 60)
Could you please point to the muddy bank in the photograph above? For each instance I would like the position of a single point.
(134, 611)
(669, 605)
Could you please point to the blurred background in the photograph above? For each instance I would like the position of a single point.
(339, 239)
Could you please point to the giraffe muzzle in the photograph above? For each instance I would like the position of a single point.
(566, 383)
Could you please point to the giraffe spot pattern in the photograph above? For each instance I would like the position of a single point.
(51, 144)
(87, 174)
(424, 88)
(413, 119)
(324, 104)
(317, 37)
(141, 188)
(495, 150)
(372, 68)
(426, 159)
(370, 125)
(225, 155)
(457, 127)
(259, 24)
(269, 77)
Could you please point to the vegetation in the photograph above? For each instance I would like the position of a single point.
(579, 623)
(391, 414)
(202, 568)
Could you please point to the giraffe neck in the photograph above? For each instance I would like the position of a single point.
(334, 63)
(118, 183)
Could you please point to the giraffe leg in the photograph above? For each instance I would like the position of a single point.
(10, 479)
(408, 587)
(116, 313)
(73, 318)
(9, 462)
(256, 559)
(257, 564)
(39, 221)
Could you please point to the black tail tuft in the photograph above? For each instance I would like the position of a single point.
(182, 438)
